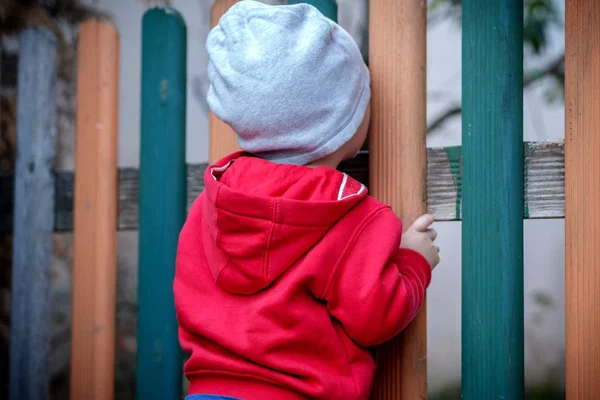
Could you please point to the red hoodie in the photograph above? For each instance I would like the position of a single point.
(286, 275)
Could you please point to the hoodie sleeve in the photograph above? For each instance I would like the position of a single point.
(376, 288)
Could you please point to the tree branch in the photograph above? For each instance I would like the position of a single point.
(554, 68)
(443, 15)
(449, 113)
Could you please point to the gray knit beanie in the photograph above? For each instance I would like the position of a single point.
(290, 82)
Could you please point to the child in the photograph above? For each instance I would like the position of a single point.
(287, 272)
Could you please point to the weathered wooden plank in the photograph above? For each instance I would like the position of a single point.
(162, 199)
(398, 164)
(33, 215)
(95, 212)
(582, 222)
(544, 179)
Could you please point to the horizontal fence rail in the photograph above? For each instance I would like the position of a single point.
(544, 182)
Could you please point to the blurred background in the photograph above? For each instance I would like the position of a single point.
(543, 120)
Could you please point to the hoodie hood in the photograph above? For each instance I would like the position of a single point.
(259, 218)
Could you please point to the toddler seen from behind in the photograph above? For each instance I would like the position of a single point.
(288, 273)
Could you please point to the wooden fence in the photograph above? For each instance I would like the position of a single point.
(491, 183)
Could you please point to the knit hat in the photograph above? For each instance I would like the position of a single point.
(290, 82)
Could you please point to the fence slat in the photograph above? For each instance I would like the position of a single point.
(492, 229)
(33, 215)
(582, 225)
(398, 163)
(95, 230)
(162, 201)
(222, 139)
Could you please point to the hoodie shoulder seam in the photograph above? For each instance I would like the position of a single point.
(354, 237)
(217, 236)
(274, 222)
(218, 279)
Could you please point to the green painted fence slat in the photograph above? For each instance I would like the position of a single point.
(329, 8)
(162, 201)
(492, 208)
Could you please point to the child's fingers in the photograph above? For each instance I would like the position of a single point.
(431, 233)
(422, 223)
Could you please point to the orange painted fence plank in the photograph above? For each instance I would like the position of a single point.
(582, 198)
(95, 219)
(398, 163)
(222, 139)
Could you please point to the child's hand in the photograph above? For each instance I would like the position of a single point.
(419, 237)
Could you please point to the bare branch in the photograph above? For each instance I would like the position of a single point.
(448, 13)
(554, 68)
(450, 112)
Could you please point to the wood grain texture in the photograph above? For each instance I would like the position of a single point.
(582, 198)
(162, 201)
(544, 179)
(222, 139)
(95, 213)
(492, 210)
(398, 164)
(33, 216)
